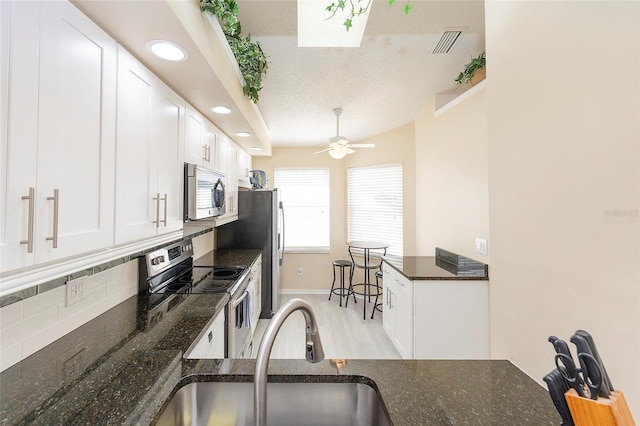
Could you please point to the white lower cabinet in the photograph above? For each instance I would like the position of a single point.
(397, 311)
(150, 153)
(58, 110)
(211, 342)
(432, 319)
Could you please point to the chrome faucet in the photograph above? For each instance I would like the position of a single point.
(313, 352)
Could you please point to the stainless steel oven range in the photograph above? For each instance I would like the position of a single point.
(169, 271)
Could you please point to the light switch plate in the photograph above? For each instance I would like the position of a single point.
(481, 246)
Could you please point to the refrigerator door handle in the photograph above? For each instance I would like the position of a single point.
(281, 207)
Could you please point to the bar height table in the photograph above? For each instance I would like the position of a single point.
(367, 266)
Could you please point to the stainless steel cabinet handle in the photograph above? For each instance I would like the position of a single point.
(56, 203)
(157, 200)
(164, 221)
(204, 152)
(29, 240)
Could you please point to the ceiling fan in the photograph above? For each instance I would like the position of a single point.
(339, 146)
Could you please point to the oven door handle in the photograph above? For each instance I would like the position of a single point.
(239, 301)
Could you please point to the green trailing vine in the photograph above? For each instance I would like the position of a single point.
(470, 69)
(249, 55)
(356, 8)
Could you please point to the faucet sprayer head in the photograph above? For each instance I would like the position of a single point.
(314, 351)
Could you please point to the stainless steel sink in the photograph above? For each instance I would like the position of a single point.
(226, 403)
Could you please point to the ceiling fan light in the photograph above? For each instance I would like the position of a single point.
(337, 154)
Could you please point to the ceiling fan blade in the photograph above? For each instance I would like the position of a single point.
(362, 145)
(324, 150)
(348, 150)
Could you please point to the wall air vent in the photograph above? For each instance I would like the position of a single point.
(446, 42)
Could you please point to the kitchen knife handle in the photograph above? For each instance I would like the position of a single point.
(591, 370)
(594, 351)
(29, 241)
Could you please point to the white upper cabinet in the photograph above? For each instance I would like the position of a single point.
(226, 163)
(150, 153)
(58, 134)
(201, 140)
(244, 168)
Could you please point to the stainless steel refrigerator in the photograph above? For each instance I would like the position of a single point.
(260, 225)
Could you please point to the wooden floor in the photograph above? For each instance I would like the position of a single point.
(343, 331)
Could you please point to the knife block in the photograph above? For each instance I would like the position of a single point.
(601, 412)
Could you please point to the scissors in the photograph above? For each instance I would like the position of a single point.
(569, 372)
(590, 374)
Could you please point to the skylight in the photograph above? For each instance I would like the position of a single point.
(315, 30)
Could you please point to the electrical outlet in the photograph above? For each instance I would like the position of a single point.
(481, 246)
(299, 270)
(76, 291)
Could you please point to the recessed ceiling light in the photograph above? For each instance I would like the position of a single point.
(220, 109)
(256, 148)
(243, 134)
(167, 50)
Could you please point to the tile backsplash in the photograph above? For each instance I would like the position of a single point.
(33, 318)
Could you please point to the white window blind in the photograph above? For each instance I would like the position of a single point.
(375, 205)
(305, 196)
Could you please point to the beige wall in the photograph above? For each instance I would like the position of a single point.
(563, 121)
(396, 146)
(452, 178)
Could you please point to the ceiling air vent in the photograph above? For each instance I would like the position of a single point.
(446, 42)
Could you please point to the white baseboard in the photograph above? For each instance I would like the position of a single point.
(305, 291)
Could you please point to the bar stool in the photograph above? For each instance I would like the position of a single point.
(342, 291)
(377, 306)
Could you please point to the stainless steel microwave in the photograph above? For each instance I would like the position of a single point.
(204, 193)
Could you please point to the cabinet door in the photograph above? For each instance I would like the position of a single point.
(167, 132)
(388, 314)
(200, 139)
(19, 40)
(221, 157)
(210, 141)
(194, 151)
(76, 134)
(232, 179)
(403, 324)
(135, 165)
(244, 167)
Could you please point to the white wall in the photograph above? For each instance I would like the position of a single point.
(563, 123)
(452, 178)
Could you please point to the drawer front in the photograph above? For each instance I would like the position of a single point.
(403, 284)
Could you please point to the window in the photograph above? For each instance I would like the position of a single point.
(375, 205)
(305, 196)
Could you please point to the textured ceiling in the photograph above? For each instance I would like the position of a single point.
(381, 85)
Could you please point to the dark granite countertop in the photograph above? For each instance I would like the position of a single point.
(443, 266)
(117, 369)
(237, 257)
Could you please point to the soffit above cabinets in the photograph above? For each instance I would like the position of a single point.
(209, 77)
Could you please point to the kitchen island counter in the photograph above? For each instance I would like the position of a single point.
(117, 370)
(444, 265)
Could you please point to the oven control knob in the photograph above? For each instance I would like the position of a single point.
(157, 260)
